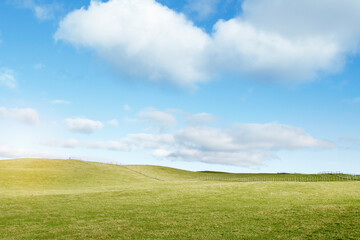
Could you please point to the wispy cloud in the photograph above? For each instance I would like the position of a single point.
(83, 125)
(38, 66)
(25, 115)
(126, 107)
(242, 144)
(7, 78)
(201, 119)
(352, 100)
(113, 122)
(160, 119)
(348, 143)
(41, 11)
(8, 151)
(60, 101)
(202, 8)
(70, 143)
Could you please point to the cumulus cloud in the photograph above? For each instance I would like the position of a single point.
(7, 78)
(244, 159)
(249, 136)
(282, 41)
(290, 40)
(25, 115)
(83, 125)
(306, 18)
(301, 37)
(163, 120)
(141, 36)
(254, 53)
(242, 144)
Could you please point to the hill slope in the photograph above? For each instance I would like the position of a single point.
(48, 174)
(57, 174)
(69, 199)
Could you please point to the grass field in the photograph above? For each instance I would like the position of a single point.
(69, 199)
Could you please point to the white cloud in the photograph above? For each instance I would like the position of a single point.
(95, 144)
(113, 122)
(7, 78)
(70, 143)
(289, 41)
(60, 101)
(269, 136)
(254, 53)
(298, 18)
(7, 151)
(283, 41)
(132, 142)
(83, 125)
(10, 152)
(140, 36)
(242, 144)
(201, 119)
(25, 115)
(140, 141)
(245, 158)
(158, 118)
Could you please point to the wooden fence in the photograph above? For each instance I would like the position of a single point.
(308, 178)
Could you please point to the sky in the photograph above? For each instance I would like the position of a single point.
(222, 85)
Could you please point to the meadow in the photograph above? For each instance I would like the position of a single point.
(70, 199)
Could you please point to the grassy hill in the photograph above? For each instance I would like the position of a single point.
(70, 199)
(46, 174)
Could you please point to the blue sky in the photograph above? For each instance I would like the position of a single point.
(240, 86)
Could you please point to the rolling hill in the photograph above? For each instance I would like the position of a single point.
(70, 199)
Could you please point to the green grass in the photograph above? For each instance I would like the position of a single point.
(69, 199)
